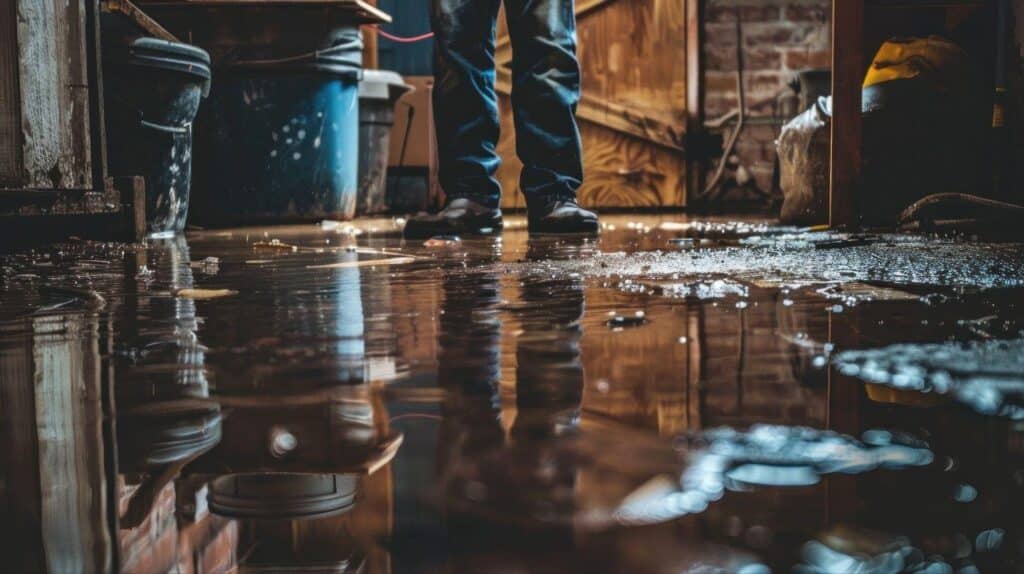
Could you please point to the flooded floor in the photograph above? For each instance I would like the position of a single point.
(672, 397)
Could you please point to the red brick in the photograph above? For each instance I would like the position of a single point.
(804, 59)
(756, 12)
(716, 82)
(765, 81)
(762, 57)
(783, 34)
(816, 12)
(717, 36)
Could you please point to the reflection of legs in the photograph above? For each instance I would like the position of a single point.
(465, 104)
(469, 362)
(549, 376)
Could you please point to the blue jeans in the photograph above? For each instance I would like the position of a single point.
(545, 91)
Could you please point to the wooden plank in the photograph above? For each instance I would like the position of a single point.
(361, 9)
(54, 94)
(847, 139)
(140, 18)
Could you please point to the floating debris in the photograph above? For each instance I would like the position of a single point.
(364, 263)
(443, 241)
(856, 292)
(899, 260)
(208, 266)
(987, 376)
(194, 293)
(699, 290)
(847, 241)
(90, 296)
(619, 322)
(682, 242)
(275, 244)
(340, 227)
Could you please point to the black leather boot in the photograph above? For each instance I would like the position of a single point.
(460, 217)
(562, 216)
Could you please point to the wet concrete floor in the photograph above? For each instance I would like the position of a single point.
(673, 397)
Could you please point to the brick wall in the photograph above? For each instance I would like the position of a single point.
(780, 38)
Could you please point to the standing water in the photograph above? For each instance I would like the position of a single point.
(671, 397)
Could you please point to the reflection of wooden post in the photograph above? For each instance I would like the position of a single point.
(53, 454)
(844, 416)
(847, 74)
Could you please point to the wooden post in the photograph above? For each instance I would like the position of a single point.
(132, 192)
(370, 44)
(694, 96)
(847, 77)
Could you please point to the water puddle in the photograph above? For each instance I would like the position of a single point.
(675, 396)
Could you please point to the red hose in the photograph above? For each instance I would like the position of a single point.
(402, 39)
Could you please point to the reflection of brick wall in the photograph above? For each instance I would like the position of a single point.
(163, 543)
(781, 37)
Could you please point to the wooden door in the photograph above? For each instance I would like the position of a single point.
(633, 109)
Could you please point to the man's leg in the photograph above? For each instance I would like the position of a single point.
(465, 118)
(545, 91)
(465, 104)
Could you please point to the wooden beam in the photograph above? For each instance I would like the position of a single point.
(847, 140)
(140, 18)
(363, 10)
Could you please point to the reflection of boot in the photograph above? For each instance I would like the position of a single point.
(549, 375)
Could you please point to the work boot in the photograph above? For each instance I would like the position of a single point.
(562, 216)
(460, 216)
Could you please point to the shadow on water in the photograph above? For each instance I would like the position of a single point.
(334, 399)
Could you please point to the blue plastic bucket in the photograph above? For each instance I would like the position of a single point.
(279, 139)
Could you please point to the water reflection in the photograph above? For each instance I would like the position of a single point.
(471, 409)
(53, 458)
(165, 416)
(506, 465)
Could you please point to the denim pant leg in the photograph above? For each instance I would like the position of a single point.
(545, 91)
(465, 103)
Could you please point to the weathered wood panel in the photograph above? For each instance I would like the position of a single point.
(10, 103)
(53, 88)
(633, 110)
